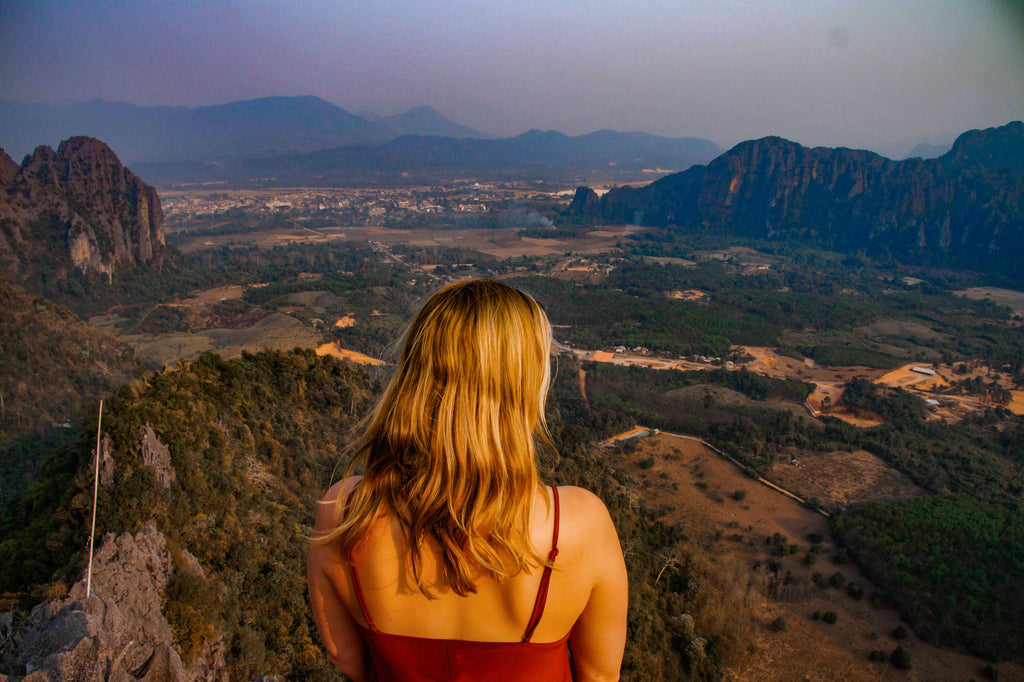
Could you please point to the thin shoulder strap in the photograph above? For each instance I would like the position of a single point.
(355, 579)
(542, 592)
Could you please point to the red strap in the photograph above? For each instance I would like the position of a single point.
(355, 580)
(542, 592)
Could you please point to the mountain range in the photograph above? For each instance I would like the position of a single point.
(244, 129)
(964, 209)
(309, 140)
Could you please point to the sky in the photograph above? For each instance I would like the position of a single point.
(868, 74)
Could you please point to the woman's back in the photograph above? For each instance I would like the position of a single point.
(586, 589)
(448, 530)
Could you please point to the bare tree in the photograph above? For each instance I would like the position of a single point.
(671, 558)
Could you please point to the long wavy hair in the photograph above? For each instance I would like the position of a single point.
(450, 448)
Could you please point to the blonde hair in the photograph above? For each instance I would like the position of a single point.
(450, 448)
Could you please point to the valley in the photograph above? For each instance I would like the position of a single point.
(723, 512)
(871, 412)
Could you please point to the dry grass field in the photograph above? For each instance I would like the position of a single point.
(277, 330)
(500, 242)
(1007, 297)
(334, 349)
(698, 488)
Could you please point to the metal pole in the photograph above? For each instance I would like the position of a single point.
(95, 491)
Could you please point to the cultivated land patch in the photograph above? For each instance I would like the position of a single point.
(903, 328)
(698, 488)
(839, 478)
(497, 242)
(1008, 297)
(334, 349)
(277, 330)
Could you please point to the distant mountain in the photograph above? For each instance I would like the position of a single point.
(962, 210)
(535, 154)
(251, 128)
(928, 151)
(271, 125)
(75, 210)
(992, 149)
(426, 121)
(309, 140)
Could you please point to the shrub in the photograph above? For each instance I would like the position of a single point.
(837, 579)
(855, 590)
(991, 673)
(900, 632)
(646, 463)
(778, 625)
(879, 656)
(900, 658)
(830, 617)
(815, 538)
(739, 495)
(816, 615)
(840, 557)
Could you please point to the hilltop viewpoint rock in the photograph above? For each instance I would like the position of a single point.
(116, 633)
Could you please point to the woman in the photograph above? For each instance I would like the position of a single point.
(448, 559)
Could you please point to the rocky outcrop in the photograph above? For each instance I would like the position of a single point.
(962, 210)
(156, 455)
(76, 209)
(116, 633)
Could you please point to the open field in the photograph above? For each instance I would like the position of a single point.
(277, 330)
(1007, 297)
(497, 242)
(334, 349)
(698, 488)
(842, 478)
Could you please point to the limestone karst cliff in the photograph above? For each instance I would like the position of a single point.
(962, 210)
(76, 209)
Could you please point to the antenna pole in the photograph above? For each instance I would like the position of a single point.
(95, 491)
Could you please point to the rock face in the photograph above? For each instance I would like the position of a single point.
(117, 633)
(156, 455)
(964, 209)
(75, 209)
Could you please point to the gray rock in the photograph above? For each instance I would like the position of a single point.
(156, 455)
(117, 633)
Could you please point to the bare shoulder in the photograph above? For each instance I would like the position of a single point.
(584, 515)
(580, 500)
(329, 507)
(589, 540)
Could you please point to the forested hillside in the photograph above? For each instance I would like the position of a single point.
(252, 444)
(51, 365)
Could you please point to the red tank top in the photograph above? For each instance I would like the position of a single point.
(401, 658)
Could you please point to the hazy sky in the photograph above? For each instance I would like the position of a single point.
(821, 72)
